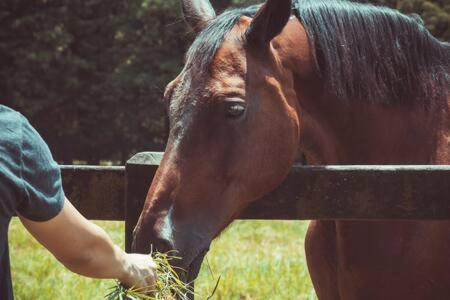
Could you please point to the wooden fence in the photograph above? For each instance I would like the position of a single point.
(309, 192)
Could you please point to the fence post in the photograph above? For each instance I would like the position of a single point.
(140, 170)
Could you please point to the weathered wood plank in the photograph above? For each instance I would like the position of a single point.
(358, 192)
(98, 192)
(140, 170)
(346, 192)
(327, 192)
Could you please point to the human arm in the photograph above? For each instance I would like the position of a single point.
(86, 249)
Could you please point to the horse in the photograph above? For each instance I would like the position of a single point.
(334, 81)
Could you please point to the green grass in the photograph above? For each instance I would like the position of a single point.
(255, 259)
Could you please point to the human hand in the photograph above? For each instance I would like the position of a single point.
(139, 272)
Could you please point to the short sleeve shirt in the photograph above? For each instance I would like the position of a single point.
(30, 183)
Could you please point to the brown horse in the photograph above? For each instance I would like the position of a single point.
(340, 82)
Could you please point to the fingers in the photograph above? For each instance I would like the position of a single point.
(141, 272)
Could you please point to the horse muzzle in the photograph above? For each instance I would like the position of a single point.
(187, 245)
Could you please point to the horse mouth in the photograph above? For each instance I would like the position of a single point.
(194, 267)
(189, 274)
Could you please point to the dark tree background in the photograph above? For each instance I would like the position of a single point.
(89, 74)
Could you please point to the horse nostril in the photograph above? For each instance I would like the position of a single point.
(161, 245)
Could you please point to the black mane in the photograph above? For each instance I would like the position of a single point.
(375, 54)
(362, 52)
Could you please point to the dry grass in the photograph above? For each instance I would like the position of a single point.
(168, 284)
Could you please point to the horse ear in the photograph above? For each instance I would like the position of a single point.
(198, 13)
(269, 21)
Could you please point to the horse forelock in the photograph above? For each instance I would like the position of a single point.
(204, 48)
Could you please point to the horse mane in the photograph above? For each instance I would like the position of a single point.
(375, 54)
(362, 52)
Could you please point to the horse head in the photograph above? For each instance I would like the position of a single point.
(234, 130)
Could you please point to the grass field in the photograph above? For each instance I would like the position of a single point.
(255, 259)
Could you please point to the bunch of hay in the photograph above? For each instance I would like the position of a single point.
(168, 284)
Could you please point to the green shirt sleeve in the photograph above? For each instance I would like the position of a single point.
(41, 178)
(30, 180)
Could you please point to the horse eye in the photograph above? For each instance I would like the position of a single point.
(236, 110)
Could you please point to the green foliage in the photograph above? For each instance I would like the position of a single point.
(435, 13)
(90, 74)
(268, 262)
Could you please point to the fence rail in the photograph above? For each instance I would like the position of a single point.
(98, 192)
(309, 192)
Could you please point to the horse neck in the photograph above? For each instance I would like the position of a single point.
(345, 132)
(342, 131)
